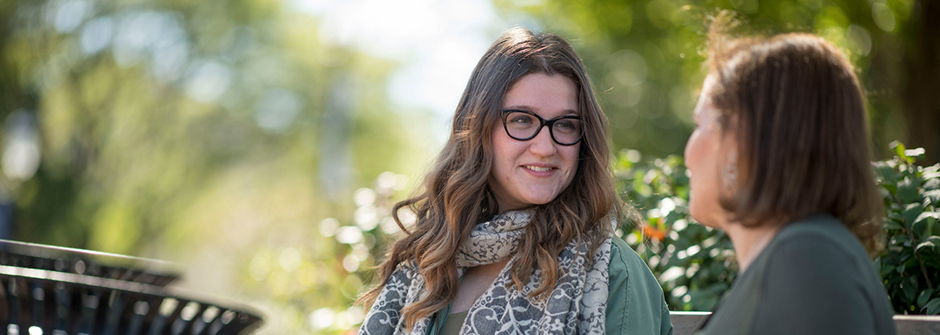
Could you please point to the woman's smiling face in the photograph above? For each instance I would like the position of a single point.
(536, 171)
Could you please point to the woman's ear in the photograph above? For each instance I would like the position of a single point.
(732, 160)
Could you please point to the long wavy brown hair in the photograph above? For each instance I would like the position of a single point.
(455, 194)
(797, 109)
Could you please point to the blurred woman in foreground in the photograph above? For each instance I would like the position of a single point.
(780, 161)
(514, 222)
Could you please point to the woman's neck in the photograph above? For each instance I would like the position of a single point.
(749, 242)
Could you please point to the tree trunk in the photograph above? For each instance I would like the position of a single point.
(921, 97)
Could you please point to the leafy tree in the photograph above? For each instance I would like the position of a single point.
(211, 133)
(646, 57)
(141, 106)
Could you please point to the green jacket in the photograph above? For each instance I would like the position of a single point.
(635, 302)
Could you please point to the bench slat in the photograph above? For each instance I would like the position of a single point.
(686, 323)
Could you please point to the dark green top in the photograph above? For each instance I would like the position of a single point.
(453, 323)
(814, 277)
(635, 302)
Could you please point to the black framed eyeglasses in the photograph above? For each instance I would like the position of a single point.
(524, 125)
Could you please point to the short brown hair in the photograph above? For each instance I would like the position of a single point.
(799, 117)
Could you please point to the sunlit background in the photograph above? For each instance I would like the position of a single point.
(261, 143)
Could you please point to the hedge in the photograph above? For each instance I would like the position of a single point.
(695, 264)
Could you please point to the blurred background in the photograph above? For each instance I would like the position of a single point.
(260, 143)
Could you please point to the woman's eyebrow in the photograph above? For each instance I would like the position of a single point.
(519, 107)
(566, 112)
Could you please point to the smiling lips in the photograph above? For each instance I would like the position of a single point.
(538, 168)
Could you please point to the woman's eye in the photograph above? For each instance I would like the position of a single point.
(564, 125)
(522, 120)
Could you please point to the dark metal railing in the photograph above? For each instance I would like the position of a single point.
(61, 291)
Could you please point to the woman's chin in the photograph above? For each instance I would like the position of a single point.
(705, 220)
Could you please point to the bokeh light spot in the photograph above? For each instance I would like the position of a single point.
(277, 110)
(322, 318)
(70, 15)
(328, 227)
(208, 81)
(259, 268)
(351, 263)
(364, 197)
(349, 235)
(859, 40)
(289, 259)
(883, 16)
(366, 217)
(97, 35)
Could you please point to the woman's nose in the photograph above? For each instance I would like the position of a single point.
(542, 144)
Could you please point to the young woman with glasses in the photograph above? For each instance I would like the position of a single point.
(514, 222)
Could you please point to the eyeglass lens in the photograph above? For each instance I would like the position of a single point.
(523, 126)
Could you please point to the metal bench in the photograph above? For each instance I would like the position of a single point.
(686, 323)
(62, 291)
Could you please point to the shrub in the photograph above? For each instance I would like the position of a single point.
(695, 264)
(910, 264)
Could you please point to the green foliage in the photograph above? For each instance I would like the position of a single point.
(645, 57)
(319, 280)
(210, 133)
(145, 108)
(910, 264)
(156, 140)
(694, 263)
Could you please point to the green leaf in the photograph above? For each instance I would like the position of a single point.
(933, 307)
(885, 173)
(907, 254)
(934, 239)
(894, 212)
(911, 213)
(934, 196)
(891, 189)
(924, 296)
(900, 240)
(907, 190)
(923, 219)
(898, 148)
(892, 224)
(923, 246)
(930, 184)
(928, 228)
(931, 172)
(914, 154)
(909, 291)
(886, 270)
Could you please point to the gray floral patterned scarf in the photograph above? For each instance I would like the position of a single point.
(576, 305)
